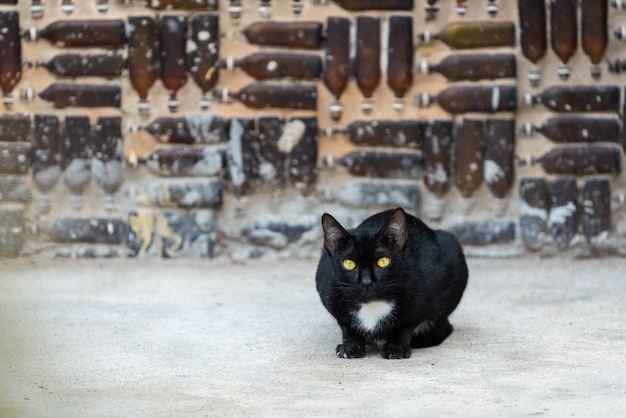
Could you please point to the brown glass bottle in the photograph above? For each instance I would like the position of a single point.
(242, 165)
(386, 133)
(14, 127)
(499, 158)
(197, 129)
(36, 9)
(9, 2)
(579, 160)
(85, 65)
(571, 128)
(46, 156)
(438, 138)
(275, 65)
(594, 31)
(473, 67)
(337, 61)
(107, 166)
(203, 51)
(102, 6)
(271, 152)
(564, 211)
(623, 136)
(361, 5)
(533, 34)
(83, 33)
(464, 35)
(462, 99)
(382, 164)
(563, 32)
(77, 151)
(469, 157)
(280, 96)
(206, 5)
(578, 98)
(143, 57)
(186, 161)
(366, 66)
(10, 54)
(64, 95)
(400, 57)
(302, 161)
(172, 43)
(533, 211)
(596, 208)
(307, 35)
(14, 158)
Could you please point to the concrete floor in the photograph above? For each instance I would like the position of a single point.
(126, 338)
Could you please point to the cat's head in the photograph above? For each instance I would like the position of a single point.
(367, 262)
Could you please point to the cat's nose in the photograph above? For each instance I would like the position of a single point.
(366, 280)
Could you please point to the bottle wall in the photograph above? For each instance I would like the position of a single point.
(225, 129)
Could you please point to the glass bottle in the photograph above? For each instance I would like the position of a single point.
(185, 161)
(297, 6)
(596, 208)
(67, 7)
(473, 67)
(431, 10)
(492, 8)
(36, 9)
(386, 133)
(265, 8)
(462, 99)
(380, 192)
(203, 51)
(461, 7)
(108, 147)
(85, 65)
(366, 66)
(400, 58)
(438, 138)
(572, 128)
(362, 5)
(580, 160)
(10, 55)
(102, 6)
(594, 31)
(206, 5)
(302, 161)
(64, 95)
(379, 163)
(83, 33)
(337, 61)
(578, 98)
(533, 33)
(499, 160)
(469, 158)
(563, 32)
(14, 127)
(9, 2)
(271, 149)
(77, 149)
(306, 35)
(241, 162)
(534, 204)
(268, 65)
(564, 212)
(46, 156)
(14, 158)
(143, 57)
(197, 129)
(465, 35)
(274, 96)
(234, 10)
(173, 42)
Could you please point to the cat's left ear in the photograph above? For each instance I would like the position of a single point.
(395, 228)
(334, 233)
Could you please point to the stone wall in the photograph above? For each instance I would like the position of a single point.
(499, 143)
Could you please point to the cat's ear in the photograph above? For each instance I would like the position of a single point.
(334, 233)
(395, 228)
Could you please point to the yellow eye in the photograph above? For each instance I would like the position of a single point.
(383, 261)
(348, 264)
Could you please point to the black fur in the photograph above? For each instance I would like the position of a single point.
(425, 280)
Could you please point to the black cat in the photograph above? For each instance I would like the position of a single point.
(391, 281)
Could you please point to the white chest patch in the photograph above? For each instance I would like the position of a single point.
(369, 315)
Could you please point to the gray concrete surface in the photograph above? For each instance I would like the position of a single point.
(126, 338)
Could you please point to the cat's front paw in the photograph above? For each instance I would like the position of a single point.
(350, 350)
(393, 352)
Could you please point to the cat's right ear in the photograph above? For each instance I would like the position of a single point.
(334, 233)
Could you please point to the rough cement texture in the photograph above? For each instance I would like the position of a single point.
(120, 338)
